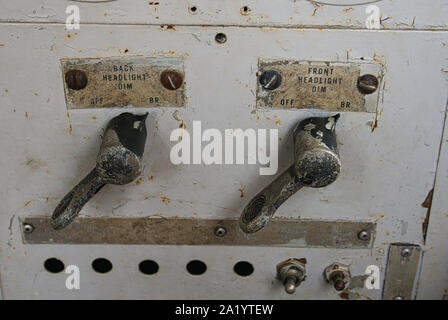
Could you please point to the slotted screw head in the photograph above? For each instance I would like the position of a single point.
(270, 79)
(367, 84)
(76, 79)
(171, 79)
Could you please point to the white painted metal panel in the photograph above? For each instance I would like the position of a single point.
(397, 14)
(433, 283)
(386, 173)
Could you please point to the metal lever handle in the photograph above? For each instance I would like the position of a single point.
(316, 164)
(119, 161)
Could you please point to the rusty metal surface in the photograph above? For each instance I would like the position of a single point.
(317, 85)
(186, 231)
(402, 271)
(118, 81)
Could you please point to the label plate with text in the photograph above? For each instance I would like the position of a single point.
(119, 82)
(318, 85)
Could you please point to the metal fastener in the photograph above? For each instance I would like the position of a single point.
(364, 235)
(28, 228)
(406, 252)
(291, 273)
(270, 79)
(221, 38)
(171, 79)
(220, 231)
(398, 298)
(367, 84)
(76, 79)
(338, 275)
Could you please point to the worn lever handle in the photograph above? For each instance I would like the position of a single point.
(316, 164)
(119, 161)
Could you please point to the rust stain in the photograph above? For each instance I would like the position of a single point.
(151, 178)
(94, 118)
(139, 180)
(6, 90)
(241, 190)
(346, 10)
(427, 204)
(70, 128)
(69, 35)
(27, 203)
(26, 114)
(165, 200)
(168, 27)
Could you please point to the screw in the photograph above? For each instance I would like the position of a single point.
(171, 79)
(364, 235)
(367, 84)
(270, 79)
(220, 231)
(406, 252)
(220, 38)
(76, 79)
(28, 228)
(398, 298)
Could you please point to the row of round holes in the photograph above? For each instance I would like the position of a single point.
(194, 10)
(194, 267)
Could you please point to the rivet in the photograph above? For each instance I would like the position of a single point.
(364, 235)
(220, 231)
(28, 228)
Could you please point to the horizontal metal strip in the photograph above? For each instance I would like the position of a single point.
(188, 231)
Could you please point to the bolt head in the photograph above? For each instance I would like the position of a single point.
(367, 84)
(28, 228)
(171, 79)
(76, 79)
(220, 231)
(406, 252)
(364, 235)
(398, 298)
(270, 79)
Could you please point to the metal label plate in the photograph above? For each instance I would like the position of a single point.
(117, 82)
(318, 85)
(188, 231)
(402, 271)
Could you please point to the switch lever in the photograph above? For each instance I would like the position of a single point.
(119, 162)
(316, 164)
